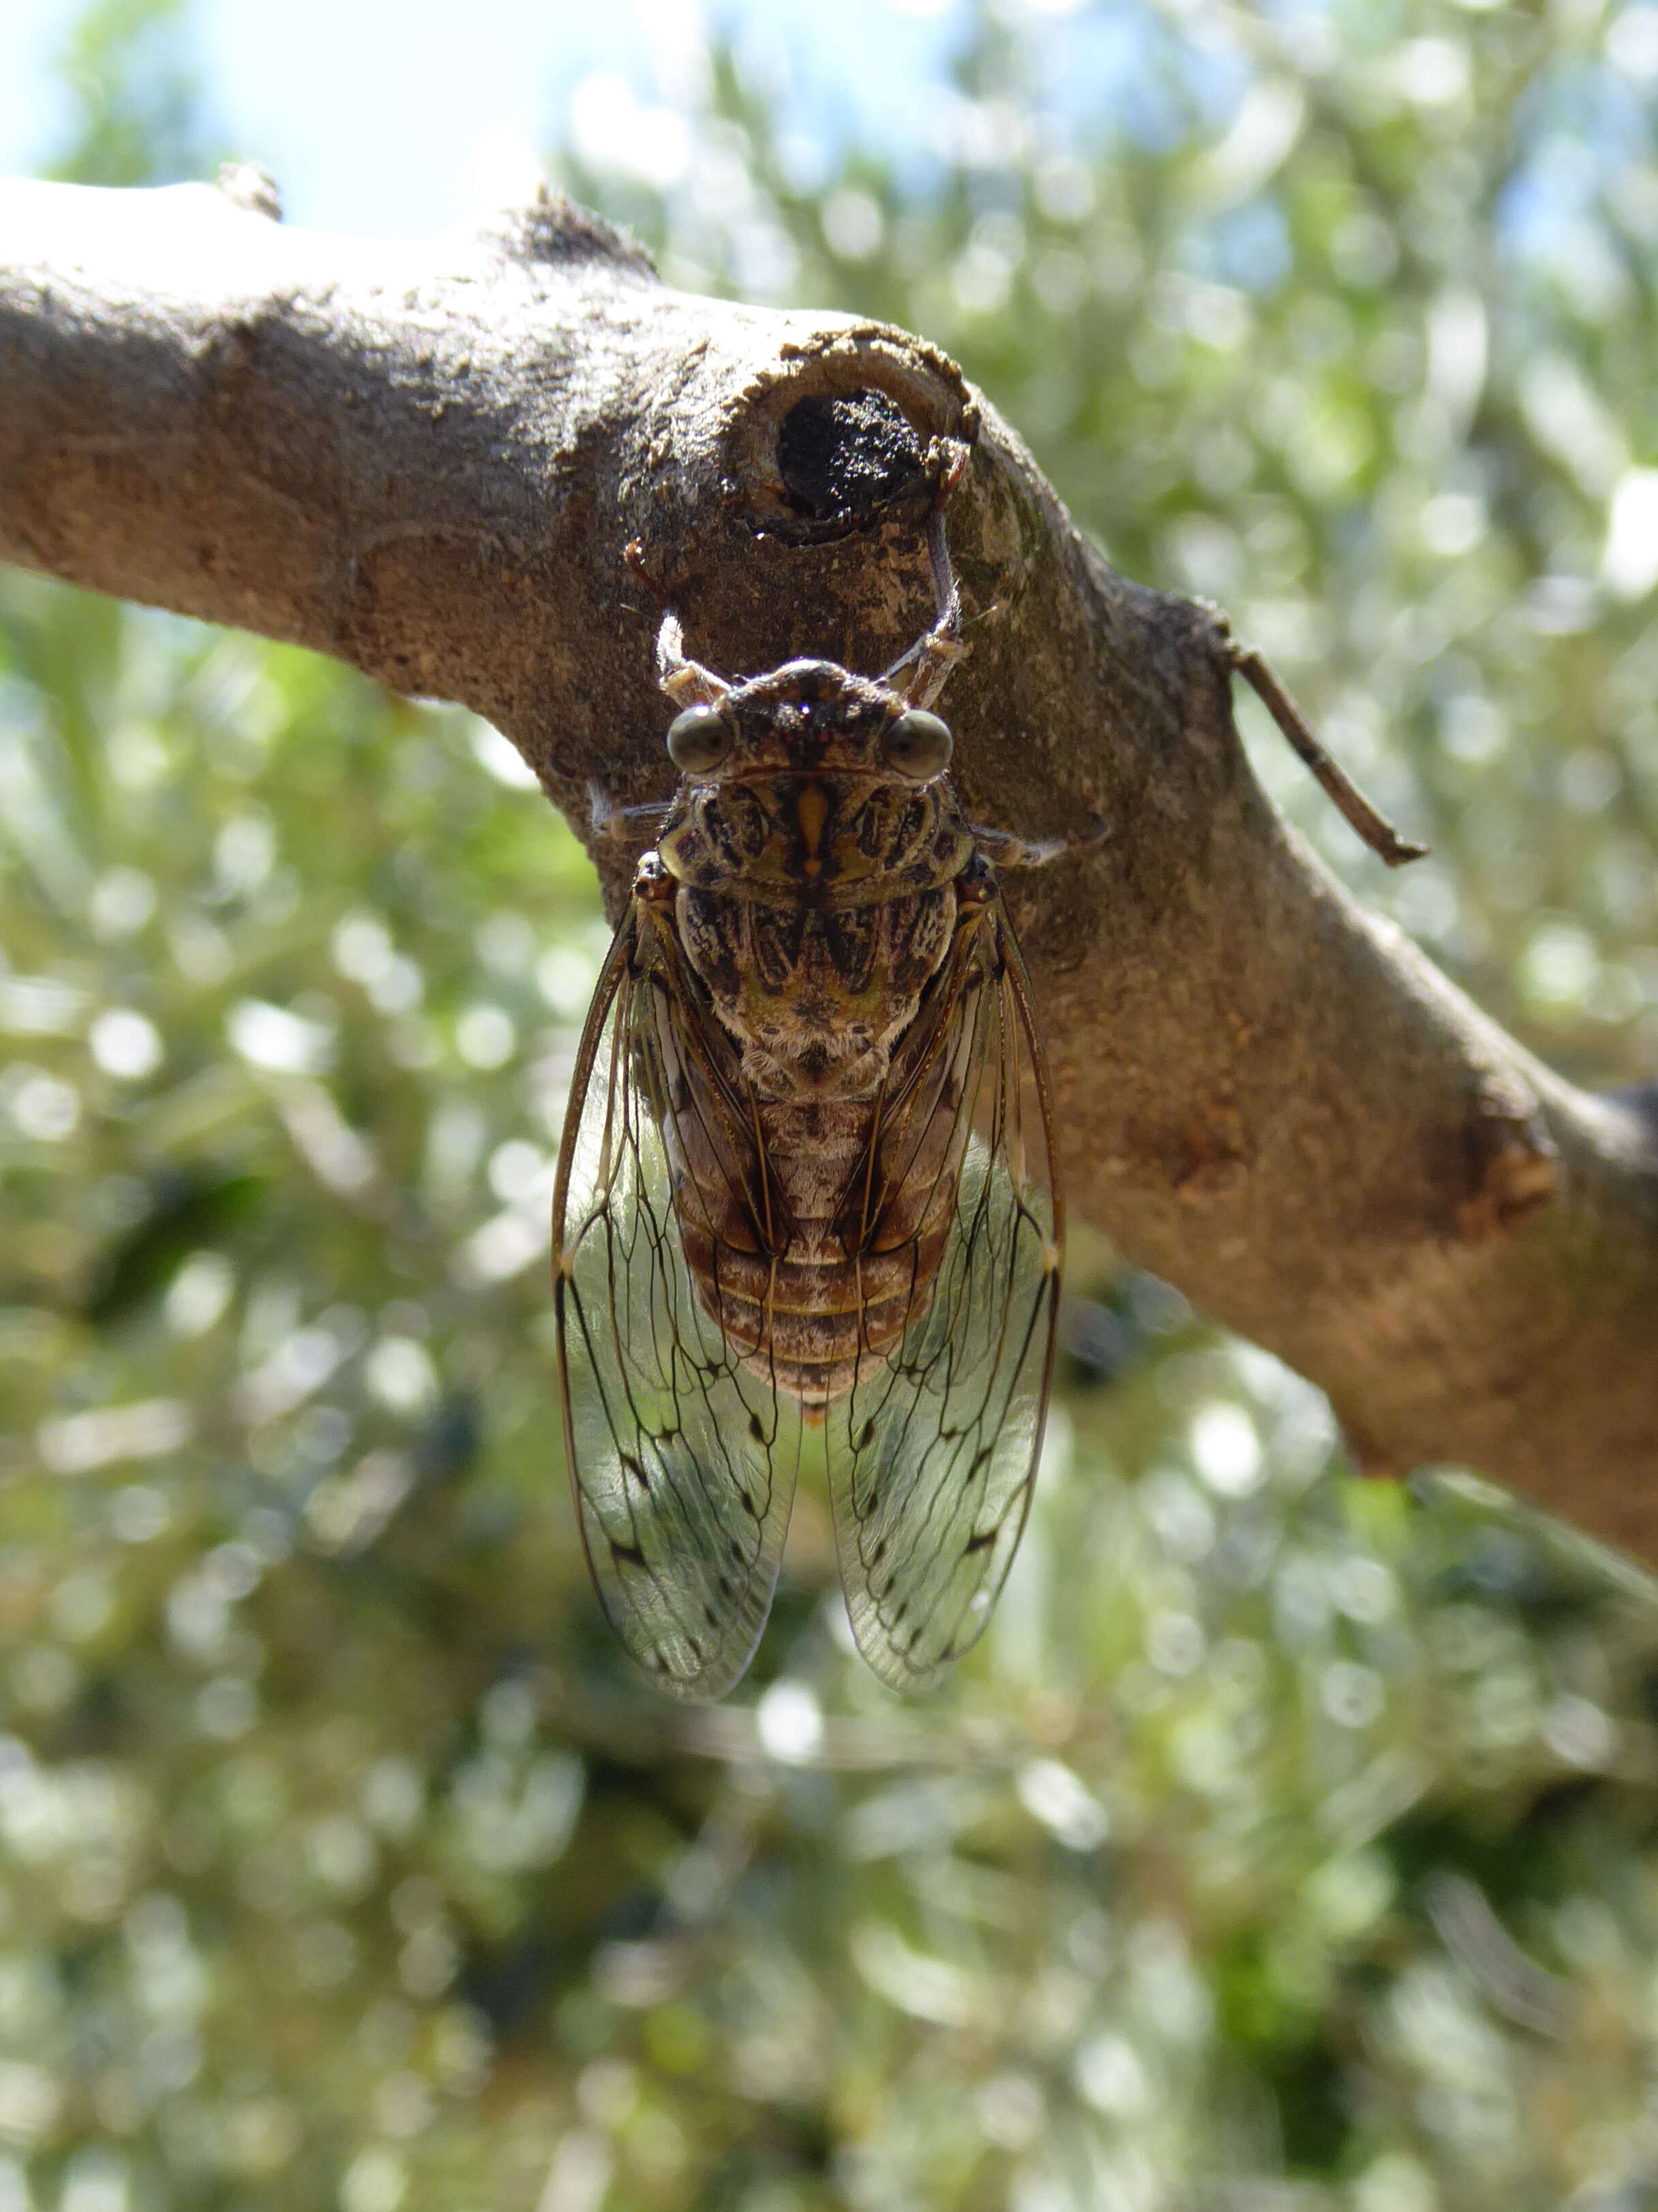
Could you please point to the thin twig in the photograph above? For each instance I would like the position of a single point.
(1378, 833)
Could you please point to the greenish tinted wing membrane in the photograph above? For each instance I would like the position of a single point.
(933, 1452)
(683, 1463)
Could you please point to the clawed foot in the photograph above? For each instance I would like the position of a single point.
(616, 823)
(1006, 850)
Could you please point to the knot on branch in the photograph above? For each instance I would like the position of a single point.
(854, 426)
(556, 230)
(1512, 1159)
(246, 185)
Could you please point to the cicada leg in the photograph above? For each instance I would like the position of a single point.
(614, 822)
(920, 675)
(1003, 850)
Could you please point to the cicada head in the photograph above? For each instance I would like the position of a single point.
(814, 717)
(807, 718)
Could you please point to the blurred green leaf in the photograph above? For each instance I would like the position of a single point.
(135, 93)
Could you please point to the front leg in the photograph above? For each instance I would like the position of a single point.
(1003, 849)
(618, 823)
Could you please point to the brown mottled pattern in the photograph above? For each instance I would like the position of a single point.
(814, 903)
(806, 1183)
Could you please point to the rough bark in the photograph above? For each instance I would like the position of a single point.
(429, 460)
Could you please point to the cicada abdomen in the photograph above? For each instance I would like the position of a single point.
(807, 1182)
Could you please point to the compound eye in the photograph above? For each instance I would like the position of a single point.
(918, 744)
(698, 739)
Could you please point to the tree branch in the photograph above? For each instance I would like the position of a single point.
(429, 460)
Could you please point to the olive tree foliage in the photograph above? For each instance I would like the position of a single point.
(1287, 1839)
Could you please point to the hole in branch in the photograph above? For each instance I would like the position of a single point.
(843, 459)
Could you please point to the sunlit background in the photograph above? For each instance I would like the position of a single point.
(1289, 1842)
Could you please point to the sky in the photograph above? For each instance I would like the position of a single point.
(393, 119)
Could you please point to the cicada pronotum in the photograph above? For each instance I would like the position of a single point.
(807, 1179)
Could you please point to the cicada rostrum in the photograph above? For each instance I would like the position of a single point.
(806, 1191)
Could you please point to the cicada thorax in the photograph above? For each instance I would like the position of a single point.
(814, 921)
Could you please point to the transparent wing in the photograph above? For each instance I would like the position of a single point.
(932, 1453)
(682, 1461)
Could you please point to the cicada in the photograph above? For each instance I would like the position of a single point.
(806, 1201)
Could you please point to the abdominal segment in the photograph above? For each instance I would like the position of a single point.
(815, 1235)
(840, 1282)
